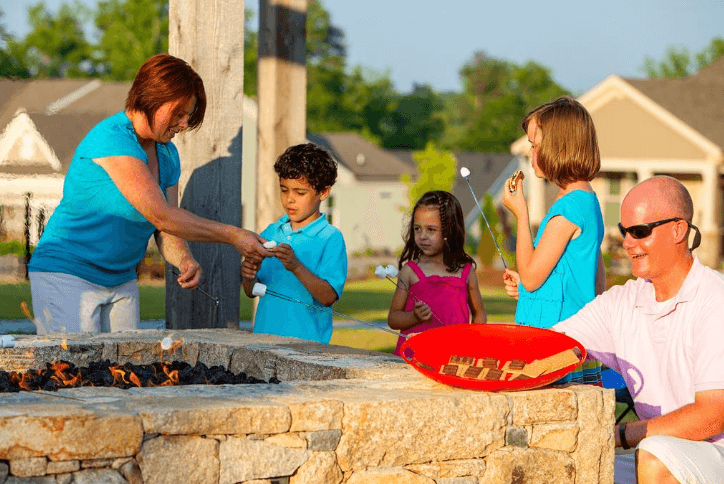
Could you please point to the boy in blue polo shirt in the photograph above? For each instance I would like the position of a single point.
(310, 260)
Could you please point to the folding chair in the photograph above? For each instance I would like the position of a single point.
(615, 381)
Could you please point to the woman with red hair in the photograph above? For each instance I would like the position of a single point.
(121, 188)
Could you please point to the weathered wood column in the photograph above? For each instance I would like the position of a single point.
(282, 92)
(209, 35)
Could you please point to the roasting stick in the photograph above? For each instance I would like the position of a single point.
(216, 300)
(391, 271)
(466, 174)
(260, 290)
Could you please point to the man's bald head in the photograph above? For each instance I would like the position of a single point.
(666, 197)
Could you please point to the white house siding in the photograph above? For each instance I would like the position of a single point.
(376, 214)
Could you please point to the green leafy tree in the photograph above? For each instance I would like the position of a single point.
(712, 52)
(251, 55)
(415, 121)
(678, 61)
(487, 251)
(496, 96)
(131, 31)
(437, 171)
(56, 45)
(11, 61)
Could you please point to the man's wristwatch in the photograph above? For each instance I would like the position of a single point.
(622, 436)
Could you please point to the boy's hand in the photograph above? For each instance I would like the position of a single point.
(249, 268)
(286, 256)
(422, 311)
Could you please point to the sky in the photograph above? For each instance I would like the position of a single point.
(429, 41)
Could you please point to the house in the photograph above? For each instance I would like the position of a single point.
(488, 173)
(648, 127)
(369, 201)
(41, 124)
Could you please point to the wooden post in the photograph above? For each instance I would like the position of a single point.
(282, 89)
(209, 35)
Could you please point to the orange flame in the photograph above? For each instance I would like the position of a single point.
(134, 379)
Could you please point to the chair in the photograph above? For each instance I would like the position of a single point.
(613, 380)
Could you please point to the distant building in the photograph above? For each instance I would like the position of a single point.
(650, 127)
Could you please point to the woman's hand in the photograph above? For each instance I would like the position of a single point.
(249, 244)
(511, 280)
(515, 201)
(189, 273)
(422, 311)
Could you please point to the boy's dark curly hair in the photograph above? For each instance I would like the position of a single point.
(310, 161)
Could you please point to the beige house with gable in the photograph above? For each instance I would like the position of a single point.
(649, 127)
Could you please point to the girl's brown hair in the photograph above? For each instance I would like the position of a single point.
(569, 148)
(164, 78)
(452, 223)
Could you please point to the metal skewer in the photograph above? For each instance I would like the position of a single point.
(216, 300)
(380, 271)
(466, 174)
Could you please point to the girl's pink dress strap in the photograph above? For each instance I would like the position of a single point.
(416, 269)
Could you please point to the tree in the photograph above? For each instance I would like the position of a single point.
(437, 170)
(415, 121)
(11, 62)
(251, 55)
(56, 45)
(678, 62)
(131, 31)
(496, 96)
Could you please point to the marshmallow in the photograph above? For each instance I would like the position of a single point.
(7, 341)
(380, 272)
(259, 289)
(269, 244)
(391, 270)
(166, 343)
(464, 172)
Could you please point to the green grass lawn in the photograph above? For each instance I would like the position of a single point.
(368, 300)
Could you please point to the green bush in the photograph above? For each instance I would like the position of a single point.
(14, 247)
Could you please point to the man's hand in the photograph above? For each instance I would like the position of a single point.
(286, 256)
(189, 273)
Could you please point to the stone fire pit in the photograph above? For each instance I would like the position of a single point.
(339, 415)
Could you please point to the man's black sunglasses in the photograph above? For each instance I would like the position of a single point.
(641, 231)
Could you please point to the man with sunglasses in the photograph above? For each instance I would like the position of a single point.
(663, 332)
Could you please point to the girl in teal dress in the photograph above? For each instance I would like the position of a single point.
(562, 269)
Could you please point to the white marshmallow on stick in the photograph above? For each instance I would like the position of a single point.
(269, 244)
(7, 341)
(166, 343)
(464, 172)
(391, 270)
(259, 289)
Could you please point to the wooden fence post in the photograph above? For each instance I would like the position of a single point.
(209, 35)
(282, 89)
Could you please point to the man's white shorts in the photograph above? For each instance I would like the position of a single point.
(65, 301)
(690, 462)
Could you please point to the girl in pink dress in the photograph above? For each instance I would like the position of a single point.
(436, 285)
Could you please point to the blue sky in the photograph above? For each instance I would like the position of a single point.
(428, 41)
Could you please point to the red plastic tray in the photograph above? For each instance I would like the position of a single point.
(505, 342)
